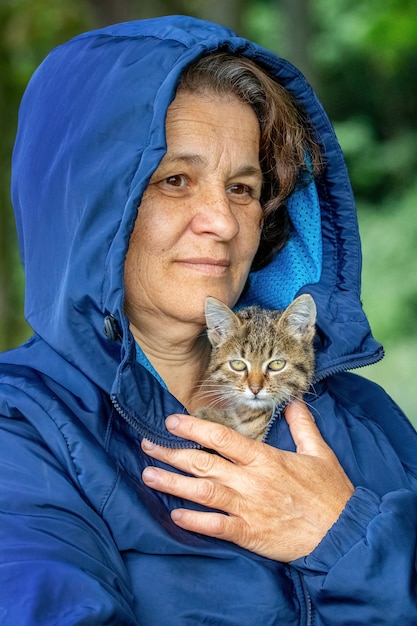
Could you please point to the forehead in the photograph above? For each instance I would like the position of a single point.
(196, 124)
(209, 113)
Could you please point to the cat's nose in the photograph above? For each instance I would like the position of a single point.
(255, 389)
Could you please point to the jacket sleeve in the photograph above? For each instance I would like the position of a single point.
(58, 562)
(364, 570)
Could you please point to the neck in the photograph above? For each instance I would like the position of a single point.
(179, 355)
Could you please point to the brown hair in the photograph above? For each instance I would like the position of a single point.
(286, 138)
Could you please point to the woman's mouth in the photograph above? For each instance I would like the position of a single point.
(206, 265)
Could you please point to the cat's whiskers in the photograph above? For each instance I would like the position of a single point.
(215, 396)
(313, 391)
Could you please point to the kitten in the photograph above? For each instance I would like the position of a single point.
(260, 360)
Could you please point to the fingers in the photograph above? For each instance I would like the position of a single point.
(304, 431)
(203, 491)
(192, 461)
(214, 478)
(212, 524)
(227, 442)
(213, 481)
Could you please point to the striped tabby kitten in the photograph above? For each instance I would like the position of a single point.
(260, 360)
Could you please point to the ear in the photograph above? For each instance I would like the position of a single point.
(221, 321)
(300, 317)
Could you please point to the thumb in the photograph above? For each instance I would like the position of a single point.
(304, 431)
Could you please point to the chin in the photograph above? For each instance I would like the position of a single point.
(198, 298)
(190, 300)
(224, 295)
(193, 314)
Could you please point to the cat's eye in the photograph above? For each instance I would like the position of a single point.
(276, 365)
(238, 365)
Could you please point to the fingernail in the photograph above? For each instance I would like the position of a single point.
(148, 445)
(176, 515)
(172, 422)
(149, 475)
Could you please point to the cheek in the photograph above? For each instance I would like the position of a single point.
(250, 238)
(149, 236)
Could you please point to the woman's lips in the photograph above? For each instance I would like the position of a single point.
(206, 265)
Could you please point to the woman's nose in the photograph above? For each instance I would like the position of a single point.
(214, 215)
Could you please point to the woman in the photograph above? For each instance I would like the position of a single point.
(109, 515)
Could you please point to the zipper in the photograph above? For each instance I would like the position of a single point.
(306, 604)
(147, 434)
(351, 365)
(275, 415)
(182, 443)
(336, 369)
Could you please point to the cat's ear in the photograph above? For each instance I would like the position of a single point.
(300, 317)
(221, 321)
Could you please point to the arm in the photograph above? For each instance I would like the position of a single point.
(58, 562)
(366, 564)
(357, 551)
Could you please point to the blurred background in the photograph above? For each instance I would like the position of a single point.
(361, 58)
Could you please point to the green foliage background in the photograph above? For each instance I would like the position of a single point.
(360, 56)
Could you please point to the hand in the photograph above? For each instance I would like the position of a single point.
(278, 504)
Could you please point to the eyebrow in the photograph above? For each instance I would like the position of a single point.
(196, 159)
(193, 159)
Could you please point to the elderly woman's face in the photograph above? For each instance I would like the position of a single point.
(198, 225)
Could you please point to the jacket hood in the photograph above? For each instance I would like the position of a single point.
(91, 133)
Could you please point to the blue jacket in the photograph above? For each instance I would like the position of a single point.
(82, 540)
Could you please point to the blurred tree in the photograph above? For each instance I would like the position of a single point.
(367, 55)
(298, 20)
(111, 11)
(10, 287)
(28, 30)
(228, 13)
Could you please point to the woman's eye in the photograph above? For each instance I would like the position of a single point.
(178, 180)
(240, 193)
(240, 189)
(238, 365)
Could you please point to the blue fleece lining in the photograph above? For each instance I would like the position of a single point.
(298, 264)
